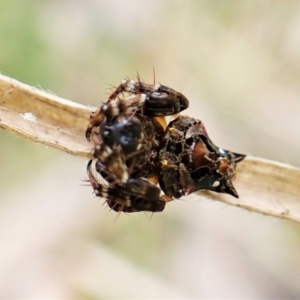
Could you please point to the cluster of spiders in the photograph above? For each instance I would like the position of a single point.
(135, 151)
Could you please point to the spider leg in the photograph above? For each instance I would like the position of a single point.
(165, 101)
(112, 162)
(161, 100)
(135, 196)
(98, 183)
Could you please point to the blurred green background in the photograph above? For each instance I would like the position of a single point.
(239, 64)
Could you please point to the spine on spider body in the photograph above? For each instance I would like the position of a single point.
(130, 146)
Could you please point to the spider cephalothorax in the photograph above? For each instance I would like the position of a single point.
(130, 146)
(127, 138)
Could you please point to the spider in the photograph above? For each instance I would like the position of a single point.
(131, 147)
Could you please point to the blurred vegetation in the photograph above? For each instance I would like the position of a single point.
(24, 53)
(237, 62)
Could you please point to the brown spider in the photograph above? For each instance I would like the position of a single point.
(130, 146)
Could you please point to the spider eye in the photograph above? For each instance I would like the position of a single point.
(125, 140)
(106, 134)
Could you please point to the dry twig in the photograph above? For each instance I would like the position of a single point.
(264, 186)
(43, 117)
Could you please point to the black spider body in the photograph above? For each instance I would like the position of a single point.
(130, 146)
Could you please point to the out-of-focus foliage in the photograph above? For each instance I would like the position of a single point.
(237, 62)
(24, 51)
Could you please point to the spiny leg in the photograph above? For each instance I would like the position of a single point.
(142, 196)
(161, 100)
(133, 196)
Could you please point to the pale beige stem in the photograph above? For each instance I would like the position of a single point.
(43, 117)
(264, 186)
